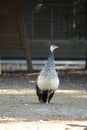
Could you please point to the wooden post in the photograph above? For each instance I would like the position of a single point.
(22, 33)
(0, 66)
(86, 58)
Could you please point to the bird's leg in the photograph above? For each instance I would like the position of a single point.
(50, 95)
(47, 101)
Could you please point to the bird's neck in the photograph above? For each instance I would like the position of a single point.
(50, 61)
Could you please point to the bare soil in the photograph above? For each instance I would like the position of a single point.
(20, 108)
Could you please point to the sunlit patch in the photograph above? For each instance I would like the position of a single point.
(15, 91)
(71, 91)
(75, 93)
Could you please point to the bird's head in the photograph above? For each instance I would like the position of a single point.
(53, 47)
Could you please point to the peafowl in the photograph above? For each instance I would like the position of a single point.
(47, 81)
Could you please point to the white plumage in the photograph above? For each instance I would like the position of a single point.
(47, 84)
(47, 81)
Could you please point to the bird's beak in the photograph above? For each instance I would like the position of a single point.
(56, 47)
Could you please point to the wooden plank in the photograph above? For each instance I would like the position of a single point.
(9, 34)
(22, 32)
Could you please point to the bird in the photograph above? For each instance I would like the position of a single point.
(48, 80)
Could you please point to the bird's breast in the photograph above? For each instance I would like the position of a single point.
(45, 83)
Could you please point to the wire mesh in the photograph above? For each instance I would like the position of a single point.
(56, 19)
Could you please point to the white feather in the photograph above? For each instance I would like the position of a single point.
(47, 84)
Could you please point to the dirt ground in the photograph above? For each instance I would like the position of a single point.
(21, 110)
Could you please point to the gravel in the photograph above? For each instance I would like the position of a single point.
(19, 102)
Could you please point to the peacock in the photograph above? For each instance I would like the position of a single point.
(47, 80)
